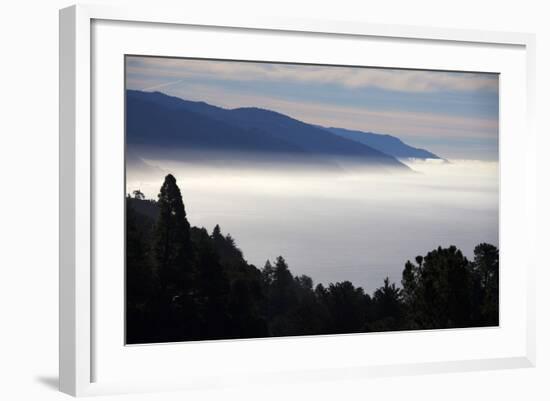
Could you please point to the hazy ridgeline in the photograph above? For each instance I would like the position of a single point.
(347, 229)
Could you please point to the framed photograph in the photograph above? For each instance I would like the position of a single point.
(300, 200)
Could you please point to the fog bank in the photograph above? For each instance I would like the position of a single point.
(337, 225)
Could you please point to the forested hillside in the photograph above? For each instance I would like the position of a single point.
(185, 283)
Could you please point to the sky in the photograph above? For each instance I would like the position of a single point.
(453, 114)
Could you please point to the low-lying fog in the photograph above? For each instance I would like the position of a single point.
(335, 226)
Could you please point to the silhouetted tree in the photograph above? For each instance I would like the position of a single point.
(281, 298)
(138, 194)
(486, 267)
(387, 308)
(230, 255)
(212, 292)
(268, 273)
(437, 290)
(217, 233)
(282, 285)
(173, 249)
(346, 306)
(174, 257)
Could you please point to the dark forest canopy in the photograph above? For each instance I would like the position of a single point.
(184, 283)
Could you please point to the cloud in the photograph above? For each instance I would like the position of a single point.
(387, 79)
(406, 124)
(163, 85)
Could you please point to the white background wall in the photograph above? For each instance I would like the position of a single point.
(29, 186)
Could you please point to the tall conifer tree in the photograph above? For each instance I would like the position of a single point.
(173, 249)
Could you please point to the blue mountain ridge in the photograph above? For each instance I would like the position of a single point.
(388, 144)
(173, 125)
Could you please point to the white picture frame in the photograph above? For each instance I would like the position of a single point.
(79, 155)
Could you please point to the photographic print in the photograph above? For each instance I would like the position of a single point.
(277, 199)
